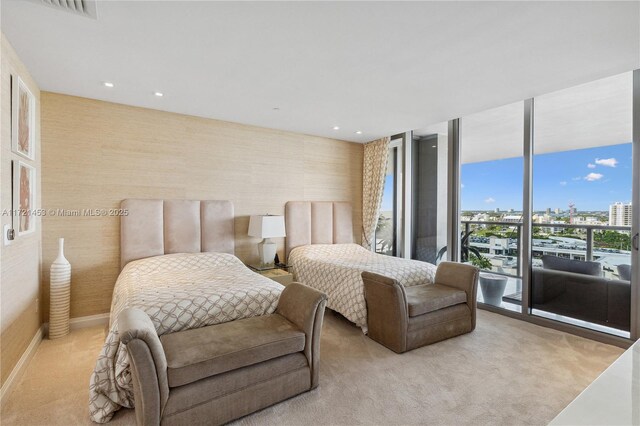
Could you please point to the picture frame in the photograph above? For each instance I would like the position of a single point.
(24, 191)
(23, 105)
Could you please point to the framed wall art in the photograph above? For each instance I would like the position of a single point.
(24, 181)
(23, 106)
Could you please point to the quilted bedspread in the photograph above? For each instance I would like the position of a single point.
(178, 292)
(335, 270)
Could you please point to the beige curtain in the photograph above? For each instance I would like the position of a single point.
(373, 173)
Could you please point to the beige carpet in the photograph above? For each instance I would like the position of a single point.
(506, 372)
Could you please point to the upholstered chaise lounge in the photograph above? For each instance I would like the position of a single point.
(215, 374)
(403, 319)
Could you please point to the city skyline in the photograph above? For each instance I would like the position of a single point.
(591, 178)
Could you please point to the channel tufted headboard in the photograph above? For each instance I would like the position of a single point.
(317, 222)
(156, 227)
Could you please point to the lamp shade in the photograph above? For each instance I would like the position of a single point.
(266, 226)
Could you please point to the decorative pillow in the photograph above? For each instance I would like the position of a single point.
(569, 265)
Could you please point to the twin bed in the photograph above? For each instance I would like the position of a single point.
(320, 249)
(179, 268)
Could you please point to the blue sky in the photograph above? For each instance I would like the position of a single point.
(592, 178)
(558, 178)
(387, 195)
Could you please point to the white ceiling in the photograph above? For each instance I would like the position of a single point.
(598, 113)
(379, 67)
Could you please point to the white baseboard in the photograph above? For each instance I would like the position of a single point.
(89, 321)
(83, 322)
(21, 366)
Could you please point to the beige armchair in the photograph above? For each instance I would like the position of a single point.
(403, 319)
(215, 374)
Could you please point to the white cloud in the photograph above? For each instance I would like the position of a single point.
(593, 177)
(608, 162)
(577, 178)
(591, 166)
(563, 183)
(490, 200)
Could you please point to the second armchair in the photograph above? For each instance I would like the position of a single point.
(403, 319)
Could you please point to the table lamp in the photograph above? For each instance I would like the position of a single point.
(266, 227)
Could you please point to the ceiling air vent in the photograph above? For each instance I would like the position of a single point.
(87, 8)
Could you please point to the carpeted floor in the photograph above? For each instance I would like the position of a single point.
(505, 372)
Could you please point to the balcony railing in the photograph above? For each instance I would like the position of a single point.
(580, 248)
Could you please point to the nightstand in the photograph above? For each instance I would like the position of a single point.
(279, 275)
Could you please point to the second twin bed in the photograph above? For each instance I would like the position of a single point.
(322, 253)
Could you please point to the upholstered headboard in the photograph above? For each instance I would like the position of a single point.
(156, 227)
(317, 222)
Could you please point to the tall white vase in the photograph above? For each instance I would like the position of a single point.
(60, 294)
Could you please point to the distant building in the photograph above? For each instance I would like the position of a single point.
(557, 211)
(497, 210)
(620, 214)
(552, 229)
(512, 219)
(510, 210)
(480, 217)
(540, 218)
(548, 210)
(586, 220)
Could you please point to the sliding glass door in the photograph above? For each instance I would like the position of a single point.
(491, 173)
(582, 209)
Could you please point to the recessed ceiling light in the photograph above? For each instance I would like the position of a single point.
(359, 132)
(433, 146)
(108, 84)
(276, 109)
(158, 94)
(336, 127)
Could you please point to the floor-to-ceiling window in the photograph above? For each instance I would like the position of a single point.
(581, 218)
(543, 195)
(491, 170)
